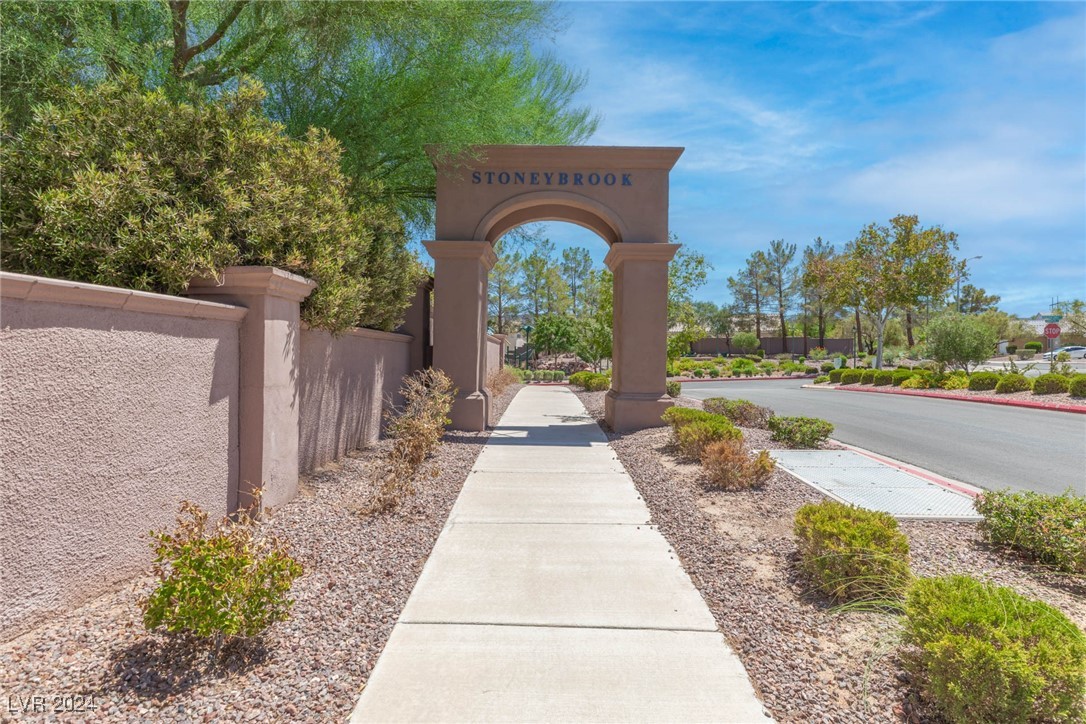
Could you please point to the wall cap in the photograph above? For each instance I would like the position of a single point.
(627, 251)
(62, 291)
(481, 250)
(253, 280)
(365, 333)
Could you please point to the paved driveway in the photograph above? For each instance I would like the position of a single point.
(986, 445)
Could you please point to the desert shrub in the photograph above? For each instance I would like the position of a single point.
(746, 342)
(1049, 528)
(1077, 386)
(826, 367)
(1013, 382)
(1012, 348)
(852, 554)
(699, 372)
(1034, 346)
(693, 437)
(954, 382)
(719, 361)
(979, 381)
(1026, 354)
(597, 383)
(742, 366)
(528, 375)
(713, 371)
(221, 584)
(835, 375)
(729, 467)
(916, 382)
(983, 653)
(1050, 384)
(821, 379)
(788, 368)
(118, 185)
(883, 378)
(959, 341)
(674, 389)
(811, 370)
(499, 380)
(416, 429)
(800, 431)
(851, 377)
(767, 368)
(868, 377)
(679, 416)
(579, 378)
(740, 412)
(900, 375)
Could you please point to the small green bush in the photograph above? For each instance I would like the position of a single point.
(699, 372)
(739, 412)
(529, 375)
(900, 375)
(1035, 346)
(674, 389)
(1013, 382)
(679, 416)
(954, 382)
(800, 431)
(835, 375)
(821, 379)
(1050, 384)
(579, 378)
(868, 377)
(1077, 386)
(826, 367)
(767, 368)
(219, 585)
(714, 371)
(811, 370)
(693, 437)
(1049, 528)
(851, 377)
(1026, 354)
(984, 653)
(980, 381)
(916, 382)
(883, 378)
(1012, 348)
(852, 554)
(597, 383)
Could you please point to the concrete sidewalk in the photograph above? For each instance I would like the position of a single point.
(548, 597)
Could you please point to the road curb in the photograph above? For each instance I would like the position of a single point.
(1058, 407)
(740, 379)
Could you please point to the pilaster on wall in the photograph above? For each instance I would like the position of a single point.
(638, 394)
(268, 401)
(460, 315)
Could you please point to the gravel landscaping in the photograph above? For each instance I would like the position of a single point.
(808, 661)
(358, 575)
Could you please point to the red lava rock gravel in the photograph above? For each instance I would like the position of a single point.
(358, 575)
(808, 662)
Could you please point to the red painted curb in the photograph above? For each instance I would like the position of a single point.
(1057, 407)
(740, 379)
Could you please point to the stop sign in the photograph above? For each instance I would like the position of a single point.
(1052, 331)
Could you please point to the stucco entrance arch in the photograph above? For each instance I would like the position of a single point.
(621, 194)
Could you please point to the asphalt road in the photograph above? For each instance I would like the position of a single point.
(990, 446)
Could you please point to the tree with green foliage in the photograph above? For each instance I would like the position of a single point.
(504, 289)
(751, 288)
(555, 333)
(974, 300)
(745, 342)
(575, 268)
(817, 281)
(959, 341)
(686, 274)
(1074, 316)
(888, 268)
(125, 187)
(783, 279)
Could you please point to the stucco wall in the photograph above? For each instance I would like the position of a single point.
(493, 353)
(343, 384)
(114, 407)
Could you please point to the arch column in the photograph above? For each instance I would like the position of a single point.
(638, 394)
(460, 316)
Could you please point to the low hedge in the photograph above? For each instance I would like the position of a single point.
(1049, 528)
(852, 554)
(851, 377)
(868, 377)
(821, 379)
(826, 367)
(883, 378)
(954, 382)
(980, 381)
(1013, 382)
(1035, 346)
(740, 412)
(835, 375)
(915, 382)
(597, 383)
(800, 431)
(983, 653)
(1077, 386)
(1050, 384)
(901, 375)
(579, 378)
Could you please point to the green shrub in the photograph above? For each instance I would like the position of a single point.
(852, 554)
(1026, 354)
(529, 375)
(122, 186)
(743, 366)
(694, 436)
(868, 377)
(219, 585)
(1077, 386)
(597, 383)
(851, 377)
(1050, 528)
(745, 342)
(1012, 348)
(916, 382)
(979, 381)
(719, 361)
(714, 371)
(800, 431)
(740, 412)
(1034, 346)
(1013, 382)
(767, 368)
(835, 375)
(822, 379)
(954, 382)
(699, 372)
(984, 653)
(883, 378)
(579, 378)
(826, 367)
(679, 416)
(900, 375)
(674, 389)
(959, 341)
(1050, 384)
(811, 370)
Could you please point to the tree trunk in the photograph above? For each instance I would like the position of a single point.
(859, 333)
(880, 325)
(909, 327)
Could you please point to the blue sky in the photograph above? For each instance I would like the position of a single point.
(812, 119)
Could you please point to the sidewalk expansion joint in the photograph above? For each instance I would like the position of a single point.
(595, 627)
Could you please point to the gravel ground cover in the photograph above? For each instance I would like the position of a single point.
(1054, 400)
(358, 575)
(809, 661)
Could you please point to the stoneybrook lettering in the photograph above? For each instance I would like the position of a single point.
(550, 178)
